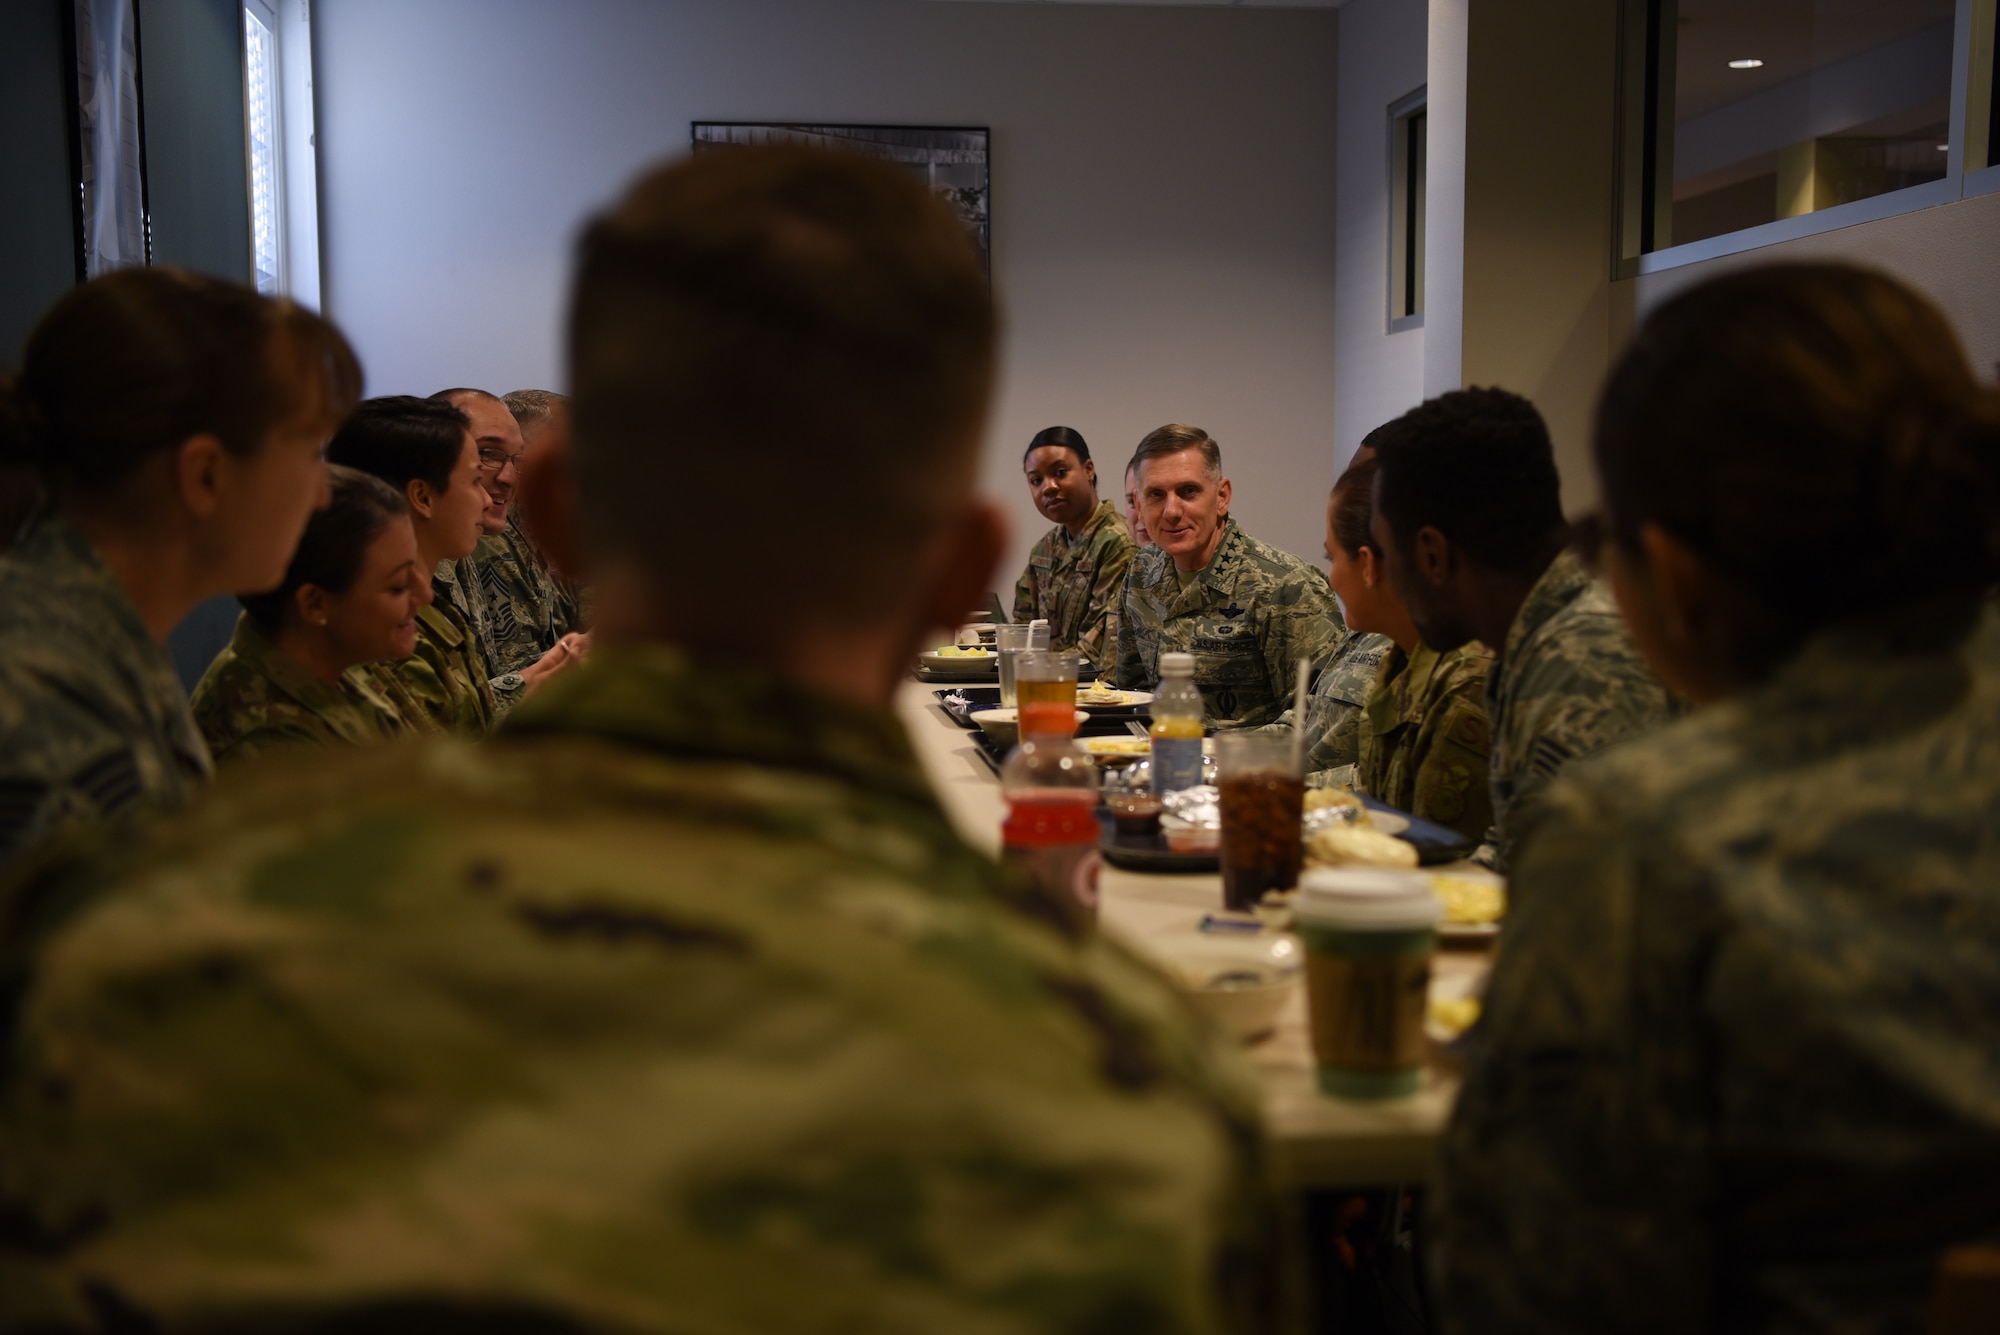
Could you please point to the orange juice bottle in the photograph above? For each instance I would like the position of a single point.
(1177, 726)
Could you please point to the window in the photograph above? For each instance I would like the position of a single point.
(1406, 213)
(1746, 114)
(260, 88)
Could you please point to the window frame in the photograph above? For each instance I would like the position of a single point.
(1645, 150)
(265, 14)
(1408, 205)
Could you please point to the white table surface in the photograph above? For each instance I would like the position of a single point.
(1318, 1141)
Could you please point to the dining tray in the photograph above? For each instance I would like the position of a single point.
(986, 671)
(1434, 843)
(1101, 723)
(1149, 852)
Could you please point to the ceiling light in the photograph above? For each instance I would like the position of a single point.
(1749, 63)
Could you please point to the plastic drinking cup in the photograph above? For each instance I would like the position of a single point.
(1262, 801)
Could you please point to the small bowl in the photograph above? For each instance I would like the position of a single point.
(1004, 725)
(1242, 982)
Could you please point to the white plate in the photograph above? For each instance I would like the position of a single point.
(938, 662)
(1249, 1010)
(1471, 931)
(1125, 700)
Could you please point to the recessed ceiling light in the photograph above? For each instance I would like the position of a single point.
(1747, 64)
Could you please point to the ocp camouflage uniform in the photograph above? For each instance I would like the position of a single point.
(1247, 619)
(1426, 745)
(1077, 585)
(456, 585)
(445, 680)
(253, 698)
(1568, 683)
(93, 721)
(1740, 1065)
(677, 1007)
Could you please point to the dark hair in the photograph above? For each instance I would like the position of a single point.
(818, 312)
(138, 361)
(1476, 465)
(1166, 441)
(1067, 438)
(401, 438)
(1354, 508)
(1815, 432)
(334, 545)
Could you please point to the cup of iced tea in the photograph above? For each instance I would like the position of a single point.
(1262, 801)
(1045, 692)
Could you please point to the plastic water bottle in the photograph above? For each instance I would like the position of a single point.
(1176, 726)
(1051, 829)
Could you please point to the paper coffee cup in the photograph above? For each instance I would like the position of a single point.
(1369, 937)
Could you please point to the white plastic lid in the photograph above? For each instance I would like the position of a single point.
(1366, 899)
(1177, 665)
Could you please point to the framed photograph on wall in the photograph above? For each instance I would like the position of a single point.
(953, 160)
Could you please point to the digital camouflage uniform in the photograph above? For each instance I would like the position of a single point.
(1333, 710)
(677, 1007)
(1076, 585)
(1247, 619)
(1426, 746)
(445, 679)
(253, 698)
(456, 584)
(1740, 1066)
(1569, 682)
(527, 608)
(93, 720)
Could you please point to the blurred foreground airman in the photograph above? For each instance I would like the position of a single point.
(679, 1006)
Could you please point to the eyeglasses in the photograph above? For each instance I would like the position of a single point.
(493, 461)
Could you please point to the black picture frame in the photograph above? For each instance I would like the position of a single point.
(955, 160)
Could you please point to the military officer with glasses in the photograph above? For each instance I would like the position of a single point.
(462, 584)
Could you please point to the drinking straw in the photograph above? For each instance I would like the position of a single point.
(1299, 718)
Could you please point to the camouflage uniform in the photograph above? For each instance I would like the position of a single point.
(1247, 619)
(1076, 585)
(456, 584)
(1425, 743)
(253, 698)
(93, 720)
(445, 679)
(1740, 1066)
(1333, 710)
(1569, 682)
(526, 608)
(1333, 713)
(677, 1007)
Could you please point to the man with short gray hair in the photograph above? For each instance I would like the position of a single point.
(1246, 611)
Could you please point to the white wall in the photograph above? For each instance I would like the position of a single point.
(1378, 375)
(1163, 194)
(1946, 252)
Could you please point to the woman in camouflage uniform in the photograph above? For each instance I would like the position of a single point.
(1421, 737)
(175, 423)
(425, 449)
(1076, 573)
(1741, 1065)
(292, 672)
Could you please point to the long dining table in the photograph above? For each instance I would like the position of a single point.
(1319, 1141)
